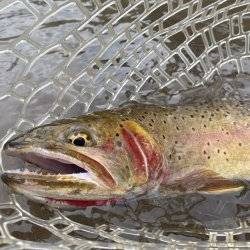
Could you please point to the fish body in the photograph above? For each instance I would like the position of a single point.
(105, 156)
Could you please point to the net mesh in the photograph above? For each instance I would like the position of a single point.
(65, 57)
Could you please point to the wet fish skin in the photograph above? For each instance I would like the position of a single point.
(177, 149)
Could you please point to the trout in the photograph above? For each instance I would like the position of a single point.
(106, 156)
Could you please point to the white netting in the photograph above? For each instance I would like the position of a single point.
(65, 57)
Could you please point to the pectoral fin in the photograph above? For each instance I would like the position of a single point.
(204, 181)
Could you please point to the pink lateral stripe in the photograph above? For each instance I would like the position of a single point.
(240, 134)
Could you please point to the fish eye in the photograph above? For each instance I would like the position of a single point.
(79, 139)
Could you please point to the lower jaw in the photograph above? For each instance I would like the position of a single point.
(83, 203)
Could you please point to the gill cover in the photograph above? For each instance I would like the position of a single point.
(146, 155)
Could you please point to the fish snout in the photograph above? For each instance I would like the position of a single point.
(11, 144)
(15, 144)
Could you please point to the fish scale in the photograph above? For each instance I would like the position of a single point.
(215, 136)
(135, 149)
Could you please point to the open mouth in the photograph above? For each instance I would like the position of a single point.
(50, 163)
(50, 166)
(53, 165)
(62, 174)
(84, 166)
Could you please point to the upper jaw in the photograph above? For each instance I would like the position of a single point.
(56, 163)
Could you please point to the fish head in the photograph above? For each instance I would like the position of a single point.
(91, 160)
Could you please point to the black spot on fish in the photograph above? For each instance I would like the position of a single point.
(164, 121)
(240, 144)
(163, 136)
(117, 134)
(143, 117)
(193, 129)
(150, 124)
(208, 143)
(179, 158)
(121, 125)
(152, 120)
(204, 152)
(191, 116)
(177, 128)
(208, 157)
(119, 143)
(218, 151)
(205, 125)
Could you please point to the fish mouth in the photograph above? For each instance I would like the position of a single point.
(45, 162)
(53, 176)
